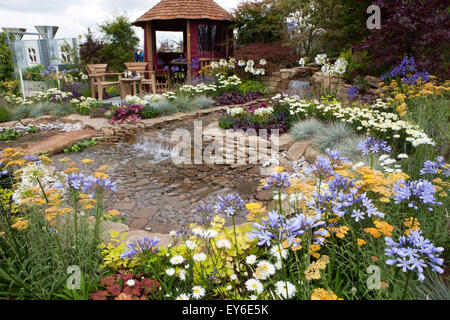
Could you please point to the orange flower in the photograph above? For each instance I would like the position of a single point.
(373, 232)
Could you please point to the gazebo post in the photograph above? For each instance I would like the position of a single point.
(189, 53)
(227, 43)
(149, 33)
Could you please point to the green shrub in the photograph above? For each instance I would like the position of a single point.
(80, 146)
(253, 86)
(148, 113)
(33, 73)
(203, 102)
(4, 114)
(307, 129)
(10, 134)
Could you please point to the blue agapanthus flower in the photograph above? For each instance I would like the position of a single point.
(139, 246)
(353, 92)
(414, 253)
(322, 168)
(230, 204)
(100, 185)
(323, 202)
(436, 167)
(415, 193)
(336, 158)
(358, 206)
(76, 182)
(373, 146)
(277, 182)
(340, 184)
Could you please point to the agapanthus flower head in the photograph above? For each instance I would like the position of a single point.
(358, 206)
(414, 253)
(340, 184)
(140, 246)
(415, 193)
(277, 182)
(353, 92)
(436, 167)
(336, 158)
(373, 146)
(230, 204)
(322, 168)
(101, 184)
(76, 182)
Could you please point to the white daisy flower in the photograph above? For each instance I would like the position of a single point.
(199, 257)
(183, 296)
(170, 272)
(198, 292)
(251, 259)
(280, 289)
(223, 243)
(175, 260)
(254, 285)
(130, 283)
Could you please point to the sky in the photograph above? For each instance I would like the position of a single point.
(74, 16)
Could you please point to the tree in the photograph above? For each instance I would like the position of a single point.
(90, 50)
(413, 28)
(259, 22)
(6, 62)
(120, 41)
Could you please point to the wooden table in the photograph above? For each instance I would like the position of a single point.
(128, 87)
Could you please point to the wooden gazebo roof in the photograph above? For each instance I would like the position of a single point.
(185, 9)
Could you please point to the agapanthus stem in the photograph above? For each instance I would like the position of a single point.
(406, 285)
(236, 246)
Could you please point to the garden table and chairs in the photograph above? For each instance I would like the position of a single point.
(97, 76)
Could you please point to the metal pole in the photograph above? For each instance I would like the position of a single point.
(57, 77)
(21, 82)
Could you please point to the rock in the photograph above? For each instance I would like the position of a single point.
(311, 155)
(164, 228)
(125, 205)
(108, 132)
(59, 142)
(135, 235)
(285, 141)
(147, 212)
(263, 195)
(246, 186)
(373, 81)
(139, 223)
(9, 124)
(112, 226)
(43, 120)
(297, 150)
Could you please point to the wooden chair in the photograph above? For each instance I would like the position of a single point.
(142, 69)
(97, 74)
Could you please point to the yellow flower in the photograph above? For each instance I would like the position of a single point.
(384, 227)
(373, 232)
(278, 170)
(322, 294)
(100, 175)
(65, 160)
(114, 213)
(103, 168)
(70, 170)
(86, 161)
(20, 225)
(361, 242)
(88, 206)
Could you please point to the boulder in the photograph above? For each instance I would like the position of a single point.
(297, 150)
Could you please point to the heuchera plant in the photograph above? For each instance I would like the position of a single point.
(125, 286)
(127, 112)
(231, 98)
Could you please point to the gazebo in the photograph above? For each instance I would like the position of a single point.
(205, 26)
